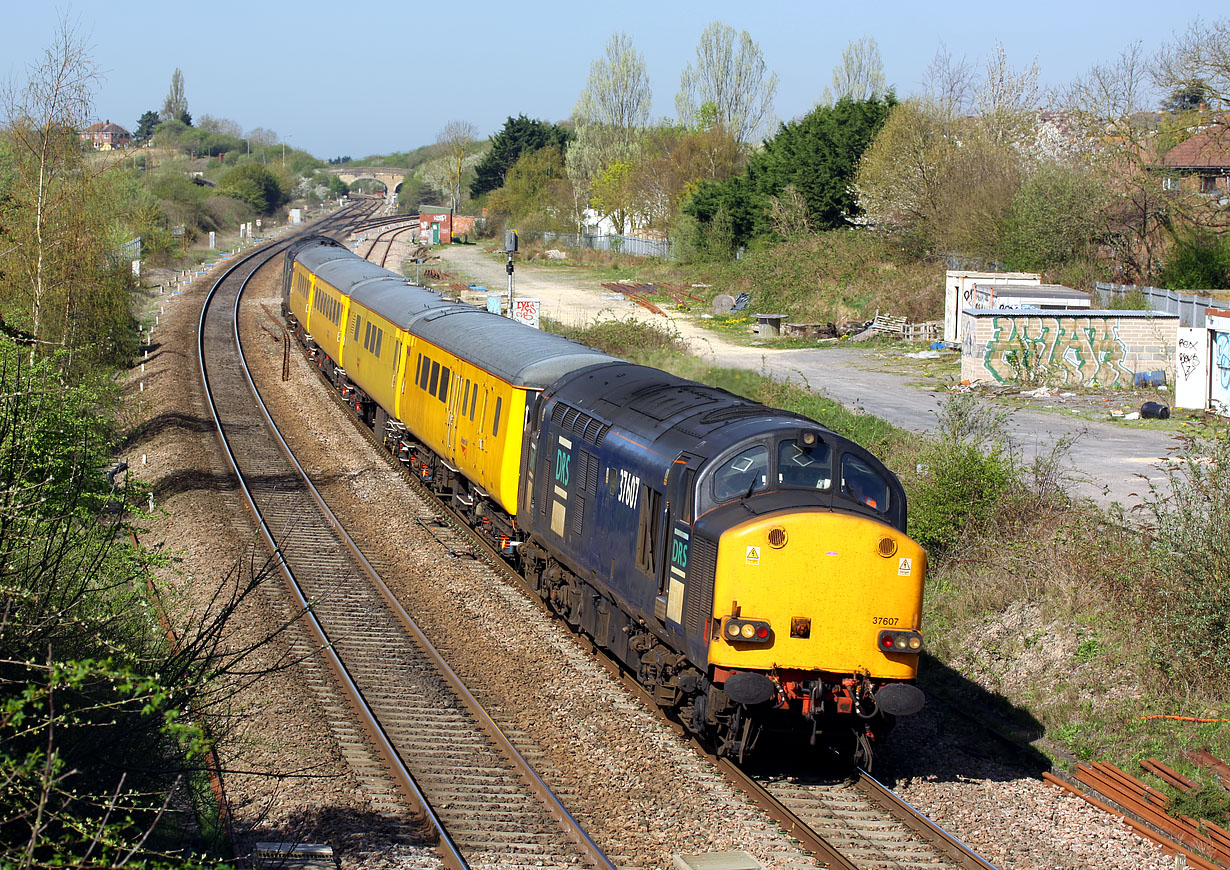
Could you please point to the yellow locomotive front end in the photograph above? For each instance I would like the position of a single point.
(821, 591)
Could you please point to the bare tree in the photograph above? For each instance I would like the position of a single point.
(728, 83)
(261, 136)
(1105, 105)
(860, 75)
(458, 138)
(175, 106)
(949, 84)
(47, 181)
(1199, 57)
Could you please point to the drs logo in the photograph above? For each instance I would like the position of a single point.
(679, 553)
(561, 466)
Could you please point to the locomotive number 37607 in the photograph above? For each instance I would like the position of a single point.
(629, 489)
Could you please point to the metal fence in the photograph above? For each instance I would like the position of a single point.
(1189, 306)
(632, 245)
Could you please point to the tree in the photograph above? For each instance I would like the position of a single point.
(610, 117)
(1197, 63)
(1186, 97)
(949, 84)
(938, 184)
(729, 82)
(617, 95)
(518, 137)
(817, 155)
(221, 126)
(1007, 102)
(175, 106)
(457, 137)
(533, 190)
(1055, 219)
(860, 75)
(145, 126)
(256, 185)
(1104, 105)
(61, 286)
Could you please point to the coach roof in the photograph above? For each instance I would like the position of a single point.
(521, 355)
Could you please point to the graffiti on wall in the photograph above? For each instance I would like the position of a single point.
(1048, 348)
(1189, 357)
(1219, 389)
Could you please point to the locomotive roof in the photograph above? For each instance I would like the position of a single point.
(655, 403)
(519, 354)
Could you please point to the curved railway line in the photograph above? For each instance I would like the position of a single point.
(448, 760)
(844, 824)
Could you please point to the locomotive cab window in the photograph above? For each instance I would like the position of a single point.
(860, 482)
(742, 474)
(804, 466)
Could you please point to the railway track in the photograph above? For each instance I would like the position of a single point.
(382, 245)
(423, 741)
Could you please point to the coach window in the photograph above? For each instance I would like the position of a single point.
(435, 377)
(444, 376)
(860, 482)
(465, 397)
(495, 423)
(357, 321)
(805, 466)
(424, 371)
(474, 403)
(742, 474)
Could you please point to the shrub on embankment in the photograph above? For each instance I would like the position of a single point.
(1081, 619)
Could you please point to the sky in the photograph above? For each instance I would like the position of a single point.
(370, 78)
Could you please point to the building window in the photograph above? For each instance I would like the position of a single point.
(1208, 184)
(1169, 182)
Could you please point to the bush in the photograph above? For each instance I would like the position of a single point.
(962, 475)
(1192, 560)
(1200, 261)
(625, 338)
(256, 185)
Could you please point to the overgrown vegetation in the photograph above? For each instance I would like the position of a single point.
(106, 688)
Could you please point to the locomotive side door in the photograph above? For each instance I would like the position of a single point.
(677, 520)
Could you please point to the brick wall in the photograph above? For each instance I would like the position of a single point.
(1076, 348)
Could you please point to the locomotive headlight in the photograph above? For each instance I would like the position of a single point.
(741, 631)
(903, 641)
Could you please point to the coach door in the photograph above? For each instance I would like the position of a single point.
(452, 419)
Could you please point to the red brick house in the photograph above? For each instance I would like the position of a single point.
(105, 136)
(1201, 163)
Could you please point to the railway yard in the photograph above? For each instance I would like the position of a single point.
(300, 765)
